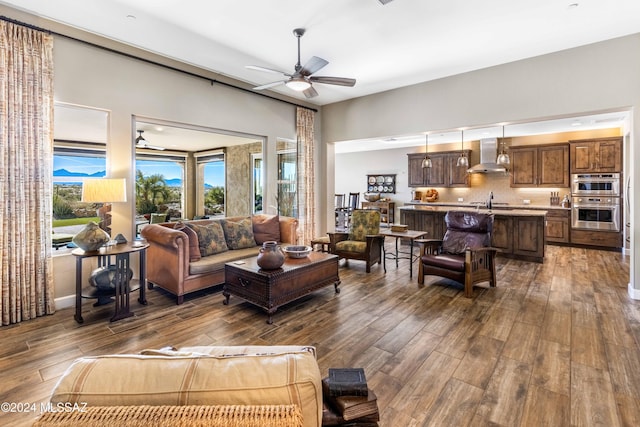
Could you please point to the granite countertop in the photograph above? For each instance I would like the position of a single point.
(432, 207)
(496, 207)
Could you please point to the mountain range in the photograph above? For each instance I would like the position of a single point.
(64, 172)
(175, 182)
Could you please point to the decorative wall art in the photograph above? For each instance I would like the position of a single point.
(381, 183)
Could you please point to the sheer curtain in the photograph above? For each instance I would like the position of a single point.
(306, 174)
(26, 143)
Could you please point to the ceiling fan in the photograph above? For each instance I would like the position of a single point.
(142, 143)
(301, 79)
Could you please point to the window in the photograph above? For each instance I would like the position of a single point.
(256, 182)
(160, 185)
(72, 162)
(211, 183)
(287, 178)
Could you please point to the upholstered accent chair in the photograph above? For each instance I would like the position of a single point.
(363, 241)
(464, 254)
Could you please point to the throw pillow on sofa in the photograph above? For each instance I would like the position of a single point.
(238, 234)
(266, 228)
(210, 238)
(194, 246)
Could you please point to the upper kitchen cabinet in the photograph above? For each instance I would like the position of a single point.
(596, 155)
(540, 166)
(422, 177)
(457, 176)
(443, 173)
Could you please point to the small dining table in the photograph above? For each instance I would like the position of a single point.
(410, 235)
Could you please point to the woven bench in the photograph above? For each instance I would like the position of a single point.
(184, 416)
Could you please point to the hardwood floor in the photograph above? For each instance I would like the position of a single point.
(555, 344)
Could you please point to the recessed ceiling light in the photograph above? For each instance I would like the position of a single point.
(131, 17)
(573, 5)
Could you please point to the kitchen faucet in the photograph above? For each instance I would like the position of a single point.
(490, 201)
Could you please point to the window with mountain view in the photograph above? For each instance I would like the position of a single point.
(72, 162)
(160, 185)
(211, 173)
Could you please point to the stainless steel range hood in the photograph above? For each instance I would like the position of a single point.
(488, 156)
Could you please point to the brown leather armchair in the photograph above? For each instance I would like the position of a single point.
(363, 241)
(464, 254)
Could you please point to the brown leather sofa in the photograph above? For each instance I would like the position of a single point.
(171, 266)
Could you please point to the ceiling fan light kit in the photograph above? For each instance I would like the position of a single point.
(301, 80)
(142, 143)
(298, 84)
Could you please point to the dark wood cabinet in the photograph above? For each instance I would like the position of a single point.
(608, 239)
(557, 226)
(516, 235)
(417, 176)
(423, 220)
(435, 175)
(458, 176)
(443, 173)
(502, 234)
(529, 237)
(596, 155)
(540, 166)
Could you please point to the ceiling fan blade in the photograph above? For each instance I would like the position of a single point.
(268, 70)
(340, 81)
(312, 65)
(310, 93)
(269, 85)
(145, 145)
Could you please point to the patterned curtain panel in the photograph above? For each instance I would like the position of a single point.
(26, 144)
(306, 175)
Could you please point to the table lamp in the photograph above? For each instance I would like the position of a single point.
(106, 191)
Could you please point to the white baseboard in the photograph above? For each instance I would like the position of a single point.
(633, 293)
(65, 302)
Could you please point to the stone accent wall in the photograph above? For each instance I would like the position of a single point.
(238, 178)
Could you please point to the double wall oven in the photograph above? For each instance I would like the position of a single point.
(596, 201)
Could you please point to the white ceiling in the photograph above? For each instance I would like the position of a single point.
(382, 47)
(558, 125)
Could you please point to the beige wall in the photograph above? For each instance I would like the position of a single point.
(126, 87)
(598, 77)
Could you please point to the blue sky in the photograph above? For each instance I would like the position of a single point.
(79, 164)
(214, 171)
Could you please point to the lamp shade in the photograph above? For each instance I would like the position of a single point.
(104, 190)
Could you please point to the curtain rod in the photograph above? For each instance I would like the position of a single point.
(148, 61)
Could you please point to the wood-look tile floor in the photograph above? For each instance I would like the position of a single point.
(555, 344)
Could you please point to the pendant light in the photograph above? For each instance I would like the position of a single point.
(503, 157)
(462, 160)
(426, 163)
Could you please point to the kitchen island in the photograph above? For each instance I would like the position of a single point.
(517, 233)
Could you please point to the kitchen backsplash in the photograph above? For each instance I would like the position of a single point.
(499, 184)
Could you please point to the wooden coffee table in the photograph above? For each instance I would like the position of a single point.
(270, 289)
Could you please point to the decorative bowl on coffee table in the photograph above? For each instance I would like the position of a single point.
(299, 251)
